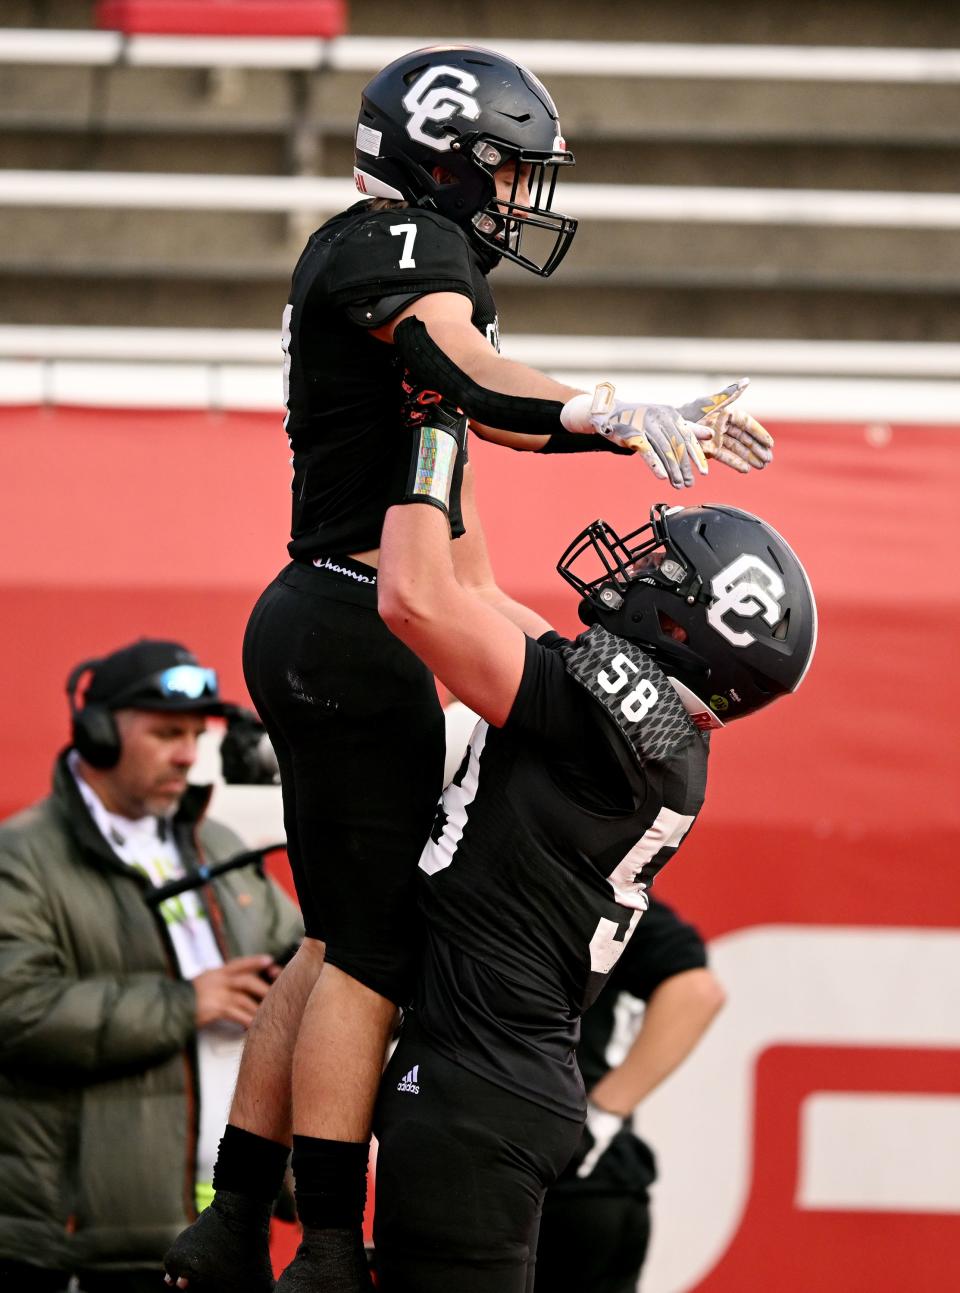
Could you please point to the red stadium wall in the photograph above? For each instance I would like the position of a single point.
(837, 810)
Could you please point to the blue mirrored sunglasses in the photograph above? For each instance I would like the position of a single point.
(188, 680)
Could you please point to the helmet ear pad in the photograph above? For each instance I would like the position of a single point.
(96, 737)
(465, 189)
(468, 197)
(587, 612)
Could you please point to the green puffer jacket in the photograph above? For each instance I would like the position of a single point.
(98, 1083)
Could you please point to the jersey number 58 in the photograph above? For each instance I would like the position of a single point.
(638, 702)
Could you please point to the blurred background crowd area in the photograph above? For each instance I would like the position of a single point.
(764, 188)
(751, 121)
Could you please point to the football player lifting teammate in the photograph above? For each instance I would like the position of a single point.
(582, 779)
(391, 331)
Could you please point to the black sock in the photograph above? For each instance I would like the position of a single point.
(227, 1247)
(331, 1181)
(331, 1260)
(250, 1165)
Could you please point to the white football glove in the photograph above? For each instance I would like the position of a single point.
(603, 1127)
(738, 440)
(666, 438)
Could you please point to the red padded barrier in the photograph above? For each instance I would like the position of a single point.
(837, 808)
(224, 17)
(118, 522)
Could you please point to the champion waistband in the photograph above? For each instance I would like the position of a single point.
(357, 572)
(340, 579)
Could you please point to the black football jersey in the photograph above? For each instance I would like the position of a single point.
(344, 388)
(663, 945)
(543, 848)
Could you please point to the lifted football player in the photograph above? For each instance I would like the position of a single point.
(391, 324)
(584, 775)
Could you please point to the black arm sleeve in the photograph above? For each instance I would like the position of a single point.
(424, 358)
(564, 441)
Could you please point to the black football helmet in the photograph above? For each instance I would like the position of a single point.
(467, 111)
(725, 578)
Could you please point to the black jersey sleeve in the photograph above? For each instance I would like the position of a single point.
(547, 704)
(403, 252)
(661, 946)
(555, 711)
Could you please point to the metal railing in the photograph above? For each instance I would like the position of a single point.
(624, 202)
(874, 382)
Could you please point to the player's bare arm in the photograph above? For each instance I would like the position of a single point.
(677, 1015)
(473, 568)
(471, 647)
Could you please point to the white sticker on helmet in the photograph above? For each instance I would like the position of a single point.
(427, 102)
(703, 717)
(368, 140)
(746, 587)
(374, 188)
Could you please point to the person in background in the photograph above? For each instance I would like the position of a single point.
(658, 1002)
(121, 1017)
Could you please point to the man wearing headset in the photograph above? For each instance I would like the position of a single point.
(121, 1018)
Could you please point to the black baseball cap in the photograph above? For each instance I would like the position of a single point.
(154, 675)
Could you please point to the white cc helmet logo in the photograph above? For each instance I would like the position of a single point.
(747, 587)
(428, 102)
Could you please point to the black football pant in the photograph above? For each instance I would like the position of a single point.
(358, 731)
(461, 1172)
(591, 1242)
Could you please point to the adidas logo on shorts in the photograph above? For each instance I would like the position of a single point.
(409, 1081)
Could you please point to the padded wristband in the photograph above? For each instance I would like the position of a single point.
(575, 415)
(427, 466)
(424, 358)
(568, 442)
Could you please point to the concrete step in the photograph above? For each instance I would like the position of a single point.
(188, 99)
(256, 244)
(816, 22)
(57, 14)
(755, 165)
(198, 100)
(632, 108)
(99, 150)
(559, 307)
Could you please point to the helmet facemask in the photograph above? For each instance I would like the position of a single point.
(502, 226)
(628, 584)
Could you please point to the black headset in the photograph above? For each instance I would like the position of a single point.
(95, 735)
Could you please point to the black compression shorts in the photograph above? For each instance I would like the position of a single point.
(359, 736)
(462, 1167)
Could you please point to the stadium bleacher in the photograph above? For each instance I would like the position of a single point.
(786, 186)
